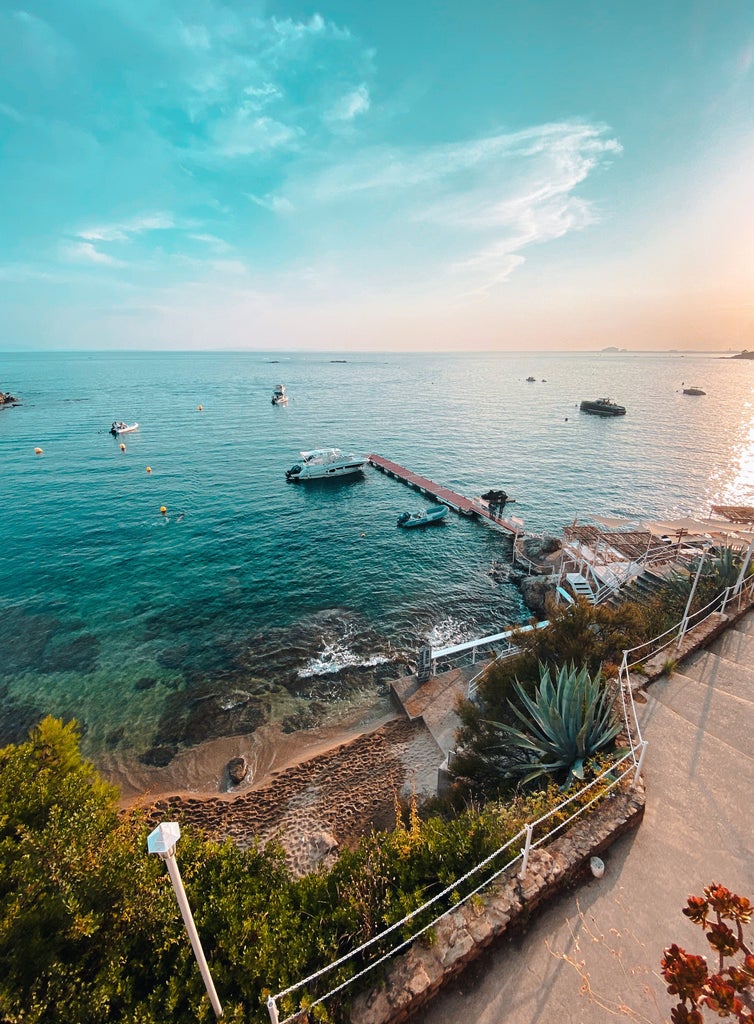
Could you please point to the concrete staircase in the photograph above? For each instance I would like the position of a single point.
(594, 957)
(714, 689)
(644, 586)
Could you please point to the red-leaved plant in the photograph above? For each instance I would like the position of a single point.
(730, 991)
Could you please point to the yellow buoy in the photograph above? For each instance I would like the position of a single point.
(149, 469)
(163, 509)
(37, 451)
(200, 408)
(122, 447)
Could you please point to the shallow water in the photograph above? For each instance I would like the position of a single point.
(156, 631)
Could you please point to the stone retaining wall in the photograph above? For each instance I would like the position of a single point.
(417, 975)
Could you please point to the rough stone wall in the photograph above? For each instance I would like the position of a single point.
(417, 975)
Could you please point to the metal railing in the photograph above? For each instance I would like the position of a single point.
(630, 763)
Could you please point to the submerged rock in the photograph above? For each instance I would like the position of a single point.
(238, 769)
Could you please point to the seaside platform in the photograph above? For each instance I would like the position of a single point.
(457, 502)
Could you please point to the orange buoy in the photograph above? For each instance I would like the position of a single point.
(200, 408)
(163, 510)
(37, 451)
(122, 447)
(149, 469)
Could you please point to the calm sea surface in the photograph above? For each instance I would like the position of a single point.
(156, 631)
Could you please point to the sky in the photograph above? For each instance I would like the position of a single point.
(342, 176)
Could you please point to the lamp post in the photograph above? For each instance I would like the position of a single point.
(162, 841)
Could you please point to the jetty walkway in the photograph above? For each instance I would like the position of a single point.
(457, 502)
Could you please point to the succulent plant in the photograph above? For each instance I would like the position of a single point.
(569, 719)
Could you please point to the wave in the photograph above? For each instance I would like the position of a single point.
(337, 656)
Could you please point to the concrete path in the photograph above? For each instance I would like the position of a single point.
(594, 956)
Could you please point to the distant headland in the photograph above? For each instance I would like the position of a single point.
(744, 355)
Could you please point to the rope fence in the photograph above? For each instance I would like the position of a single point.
(632, 762)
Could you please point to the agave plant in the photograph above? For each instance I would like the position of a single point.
(569, 719)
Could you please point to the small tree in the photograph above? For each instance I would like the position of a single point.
(729, 992)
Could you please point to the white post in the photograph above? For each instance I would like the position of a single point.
(685, 619)
(272, 1009)
(744, 567)
(527, 847)
(639, 764)
(162, 842)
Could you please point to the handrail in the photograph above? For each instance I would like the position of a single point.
(633, 759)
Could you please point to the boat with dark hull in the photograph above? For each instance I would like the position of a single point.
(694, 391)
(603, 407)
(433, 514)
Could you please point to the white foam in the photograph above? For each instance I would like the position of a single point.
(335, 657)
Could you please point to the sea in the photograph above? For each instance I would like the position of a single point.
(250, 599)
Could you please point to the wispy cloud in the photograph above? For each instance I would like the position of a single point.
(218, 245)
(86, 252)
(350, 106)
(124, 230)
(470, 208)
(273, 203)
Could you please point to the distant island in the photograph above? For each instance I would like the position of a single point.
(744, 355)
(613, 348)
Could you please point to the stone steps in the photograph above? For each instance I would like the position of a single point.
(712, 670)
(725, 716)
(736, 645)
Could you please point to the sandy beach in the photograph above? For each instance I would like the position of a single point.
(314, 791)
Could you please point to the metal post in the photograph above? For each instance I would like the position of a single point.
(272, 1009)
(162, 842)
(744, 567)
(685, 619)
(640, 763)
(527, 847)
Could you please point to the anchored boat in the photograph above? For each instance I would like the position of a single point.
(279, 396)
(433, 514)
(324, 464)
(119, 428)
(603, 407)
(694, 391)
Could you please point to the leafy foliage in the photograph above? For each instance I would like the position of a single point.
(569, 719)
(90, 930)
(728, 992)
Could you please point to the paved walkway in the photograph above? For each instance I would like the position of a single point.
(594, 956)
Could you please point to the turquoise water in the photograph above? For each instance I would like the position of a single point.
(158, 631)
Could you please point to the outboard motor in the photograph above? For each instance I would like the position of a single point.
(293, 473)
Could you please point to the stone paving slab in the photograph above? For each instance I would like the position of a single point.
(735, 645)
(725, 675)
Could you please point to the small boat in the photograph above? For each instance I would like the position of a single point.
(694, 391)
(530, 380)
(119, 428)
(433, 514)
(279, 396)
(324, 464)
(603, 407)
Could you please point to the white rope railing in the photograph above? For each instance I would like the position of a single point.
(633, 763)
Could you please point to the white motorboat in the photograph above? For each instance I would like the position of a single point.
(119, 427)
(279, 396)
(325, 464)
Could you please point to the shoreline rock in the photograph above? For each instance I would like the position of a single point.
(6, 398)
